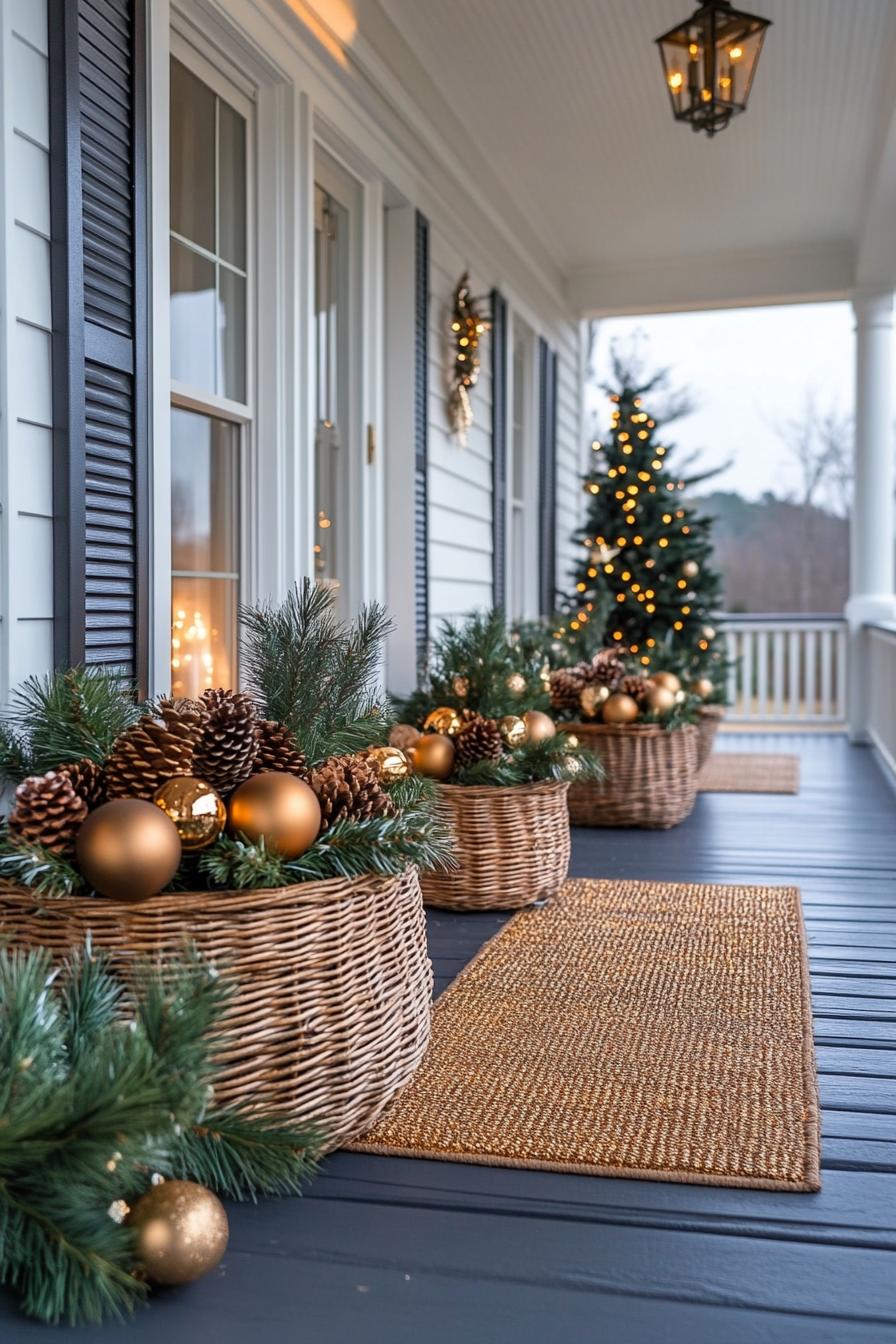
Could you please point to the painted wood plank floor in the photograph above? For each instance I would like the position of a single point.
(389, 1251)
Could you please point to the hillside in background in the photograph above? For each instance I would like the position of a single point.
(776, 556)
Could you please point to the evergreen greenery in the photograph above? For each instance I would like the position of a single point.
(29, 865)
(99, 1090)
(553, 759)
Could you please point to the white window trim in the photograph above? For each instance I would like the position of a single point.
(519, 328)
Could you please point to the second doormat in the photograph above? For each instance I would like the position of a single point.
(749, 772)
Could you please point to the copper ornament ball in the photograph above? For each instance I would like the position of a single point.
(128, 849)
(660, 699)
(703, 687)
(443, 720)
(197, 810)
(513, 730)
(540, 725)
(433, 755)
(278, 808)
(390, 763)
(667, 679)
(516, 683)
(690, 569)
(620, 708)
(181, 1231)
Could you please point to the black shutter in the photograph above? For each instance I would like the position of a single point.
(547, 477)
(499, 449)
(421, 437)
(100, 395)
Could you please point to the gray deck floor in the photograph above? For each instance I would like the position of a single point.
(393, 1251)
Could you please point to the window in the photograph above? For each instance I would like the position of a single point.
(210, 415)
(523, 558)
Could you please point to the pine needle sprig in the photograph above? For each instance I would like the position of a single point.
(554, 758)
(46, 873)
(66, 716)
(243, 1154)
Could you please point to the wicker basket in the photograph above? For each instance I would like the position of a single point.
(651, 778)
(512, 846)
(708, 719)
(332, 1011)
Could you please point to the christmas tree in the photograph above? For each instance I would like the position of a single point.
(644, 547)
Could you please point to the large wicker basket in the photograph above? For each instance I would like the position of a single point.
(512, 846)
(651, 776)
(332, 1011)
(708, 719)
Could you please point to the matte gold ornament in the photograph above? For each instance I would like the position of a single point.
(282, 810)
(460, 686)
(667, 679)
(703, 687)
(660, 699)
(513, 730)
(591, 698)
(620, 708)
(198, 812)
(128, 849)
(516, 683)
(539, 725)
(443, 720)
(181, 1230)
(690, 569)
(433, 755)
(390, 763)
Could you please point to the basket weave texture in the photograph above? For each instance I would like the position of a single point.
(334, 985)
(651, 778)
(708, 719)
(512, 846)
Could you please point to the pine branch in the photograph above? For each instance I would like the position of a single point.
(479, 651)
(16, 761)
(242, 1154)
(71, 714)
(48, 874)
(553, 759)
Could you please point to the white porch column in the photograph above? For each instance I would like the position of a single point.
(871, 577)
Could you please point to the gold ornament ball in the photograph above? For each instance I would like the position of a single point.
(460, 686)
(690, 569)
(539, 726)
(513, 730)
(591, 698)
(703, 687)
(516, 683)
(128, 849)
(708, 632)
(660, 699)
(403, 736)
(570, 740)
(433, 755)
(279, 808)
(443, 720)
(620, 708)
(198, 812)
(390, 763)
(181, 1231)
(667, 679)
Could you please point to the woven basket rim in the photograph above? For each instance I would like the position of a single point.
(494, 790)
(624, 729)
(712, 711)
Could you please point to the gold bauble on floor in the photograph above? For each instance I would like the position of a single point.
(198, 812)
(667, 679)
(703, 687)
(181, 1231)
(278, 807)
(513, 730)
(433, 755)
(128, 849)
(390, 763)
(540, 726)
(620, 708)
(660, 699)
(443, 720)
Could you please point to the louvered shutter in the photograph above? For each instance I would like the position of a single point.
(499, 449)
(421, 438)
(547, 477)
(100, 412)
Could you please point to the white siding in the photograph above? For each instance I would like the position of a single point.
(26, 474)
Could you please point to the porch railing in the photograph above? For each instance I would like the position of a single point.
(881, 653)
(786, 669)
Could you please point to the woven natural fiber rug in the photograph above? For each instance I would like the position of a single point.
(749, 772)
(627, 1029)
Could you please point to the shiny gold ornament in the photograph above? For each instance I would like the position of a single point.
(460, 686)
(390, 763)
(544, 677)
(703, 687)
(708, 632)
(540, 726)
(278, 808)
(660, 699)
(516, 683)
(667, 679)
(198, 812)
(690, 569)
(570, 739)
(513, 730)
(128, 849)
(591, 698)
(620, 708)
(403, 736)
(181, 1230)
(443, 720)
(572, 765)
(433, 755)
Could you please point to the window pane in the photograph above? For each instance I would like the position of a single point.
(192, 157)
(204, 493)
(203, 635)
(231, 186)
(193, 318)
(333, 392)
(232, 334)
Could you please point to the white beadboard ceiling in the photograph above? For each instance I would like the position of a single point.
(566, 100)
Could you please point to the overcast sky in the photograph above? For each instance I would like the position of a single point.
(747, 368)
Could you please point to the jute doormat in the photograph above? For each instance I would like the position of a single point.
(749, 772)
(627, 1029)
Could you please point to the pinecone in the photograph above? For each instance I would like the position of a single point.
(277, 750)
(635, 686)
(87, 780)
(155, 749)
(348, 786)
(607, 669)
(403, 735)
(48, 811)
(227, 750)
(566, 685)
(478, 740)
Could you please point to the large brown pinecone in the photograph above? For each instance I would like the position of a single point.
(48, 811)
(226, 753)
(607, 669)
(478, 740)
(348, 786)
(87, 780)
(277, 750)
(155, 749)
(566, 686)
(635, 686)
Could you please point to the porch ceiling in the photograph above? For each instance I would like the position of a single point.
(566, 102)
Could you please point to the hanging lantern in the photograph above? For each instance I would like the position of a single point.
(709, 62)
